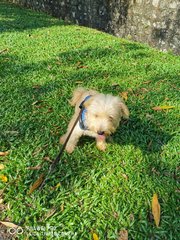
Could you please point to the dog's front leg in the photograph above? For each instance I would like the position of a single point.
(73, 140)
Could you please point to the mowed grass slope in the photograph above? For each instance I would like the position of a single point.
(43, 60)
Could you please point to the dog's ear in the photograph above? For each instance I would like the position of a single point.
(77, 94)
(124, 109)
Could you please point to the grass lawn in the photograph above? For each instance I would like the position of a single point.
(42, 59)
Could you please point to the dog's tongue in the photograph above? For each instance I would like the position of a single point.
(101, 137)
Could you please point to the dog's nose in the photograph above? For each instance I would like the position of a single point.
(100, 133)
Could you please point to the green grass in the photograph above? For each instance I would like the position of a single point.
(99, 192)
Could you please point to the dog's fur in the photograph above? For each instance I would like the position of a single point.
(104, 113)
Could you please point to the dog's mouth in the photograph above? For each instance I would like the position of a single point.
(101, 135)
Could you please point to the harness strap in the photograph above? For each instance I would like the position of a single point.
(82, 118)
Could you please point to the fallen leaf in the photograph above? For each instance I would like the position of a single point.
(50, 213)
(116, 215)
(46, 158)
(123, 235)
(37, 151)
(79, 81)
(62, 207)
(159, 108)
(39, 106)
(156, 209)
(36, 102)
(36, 86)
(1, 166)
(95, 236)
(146, 82)
(34, 168)
(124, 95)
(1, 192)
(36, 184)
(57, 186)
(9, 224)
(125, 176)
(144, 90)
(131, 217)
(4, 153)
(3, 178)
(82, 66)
(1, 200)
(4, 50)
(50, 110)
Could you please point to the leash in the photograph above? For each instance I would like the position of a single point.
(57, 159)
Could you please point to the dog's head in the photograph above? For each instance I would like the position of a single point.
(104, 113)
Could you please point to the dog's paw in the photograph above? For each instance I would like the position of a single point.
(70, 148)
(101, 145)
(62, 139)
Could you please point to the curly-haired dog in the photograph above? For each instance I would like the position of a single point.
(100, 117)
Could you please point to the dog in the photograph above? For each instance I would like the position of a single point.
(100, 117)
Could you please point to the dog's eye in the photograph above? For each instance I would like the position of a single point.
(111, 118)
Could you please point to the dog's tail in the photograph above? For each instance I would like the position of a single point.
(77, 94)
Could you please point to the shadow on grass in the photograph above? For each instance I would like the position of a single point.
(14, 18)
(142, 134)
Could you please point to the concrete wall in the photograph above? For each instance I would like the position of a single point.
(156, 22)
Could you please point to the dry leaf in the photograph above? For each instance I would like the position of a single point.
(144, 90)
(4, 153)
(95, 236)
(82, 66)
(50, 213)
(4, 50)
(156, 209)
(1, 166)
(131, 217)
(36, 184)
(47, 159)
(57, 186)
(1, 192)
(50, 110)
(3, 178)
(37, 151)
(159, 108)
(36, 102)
(115, 215)
(79, 81)
(1, 200)
(36, 86)
(123, 235)
(125, 176)
(62, 207)
(146, 82)
(124, 95)
(34, 168)
(9, 224)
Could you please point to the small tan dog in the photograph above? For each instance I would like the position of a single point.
(100, 117)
